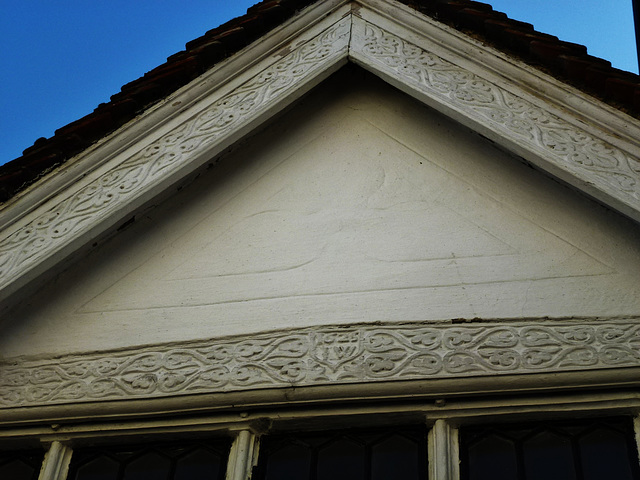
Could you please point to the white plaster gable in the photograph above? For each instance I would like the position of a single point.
(557, 129)
(401, 243)
(358, 206)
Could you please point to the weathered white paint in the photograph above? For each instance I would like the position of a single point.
(55, 465)
(358, 206)
(243, 454)
(444, 463)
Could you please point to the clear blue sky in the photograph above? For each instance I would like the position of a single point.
(60, 59)
(604, 26)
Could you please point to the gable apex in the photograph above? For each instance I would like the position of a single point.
(555, 128)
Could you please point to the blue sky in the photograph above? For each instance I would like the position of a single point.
(61, 59)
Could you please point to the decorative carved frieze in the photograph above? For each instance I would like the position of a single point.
(322, 356)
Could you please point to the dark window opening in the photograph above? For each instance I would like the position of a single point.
(584, 450)
(345, 455)
(21, 465)
(177, 461)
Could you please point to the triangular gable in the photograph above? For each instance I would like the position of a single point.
(359, 238)
(577, 139)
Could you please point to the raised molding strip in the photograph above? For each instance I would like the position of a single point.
(322, 356)
(49, 235)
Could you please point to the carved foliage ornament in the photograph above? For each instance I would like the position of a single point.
(322, 356)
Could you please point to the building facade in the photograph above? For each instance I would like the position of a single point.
(367, 219)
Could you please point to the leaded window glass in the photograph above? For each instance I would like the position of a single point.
(345, 455)
(183, 461)
(21, 465)
(584, 450)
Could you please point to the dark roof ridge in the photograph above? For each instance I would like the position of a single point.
(567, 61)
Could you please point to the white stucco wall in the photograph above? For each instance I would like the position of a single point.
(358, 206)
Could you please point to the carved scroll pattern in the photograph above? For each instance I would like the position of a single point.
(576, 150)
(327, 355)
(76, 214)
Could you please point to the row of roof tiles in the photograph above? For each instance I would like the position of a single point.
(567, 61)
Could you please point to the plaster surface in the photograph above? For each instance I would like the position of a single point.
(359, 205)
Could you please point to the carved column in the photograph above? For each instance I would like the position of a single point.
(242, 455)
(636, 431)
(443, 452)
(56, 462)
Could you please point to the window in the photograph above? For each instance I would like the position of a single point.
(386, 441)
(174, 461)
(21, 465)
(357, 455)
(584, 450)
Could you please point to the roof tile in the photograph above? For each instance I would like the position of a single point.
(595, 77)
(473, 19)
(209, 54)
(620, 90)
(549, 53)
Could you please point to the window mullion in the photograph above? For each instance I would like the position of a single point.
(443, 452)
(636, 431)
(56, 462)
(242, 456)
